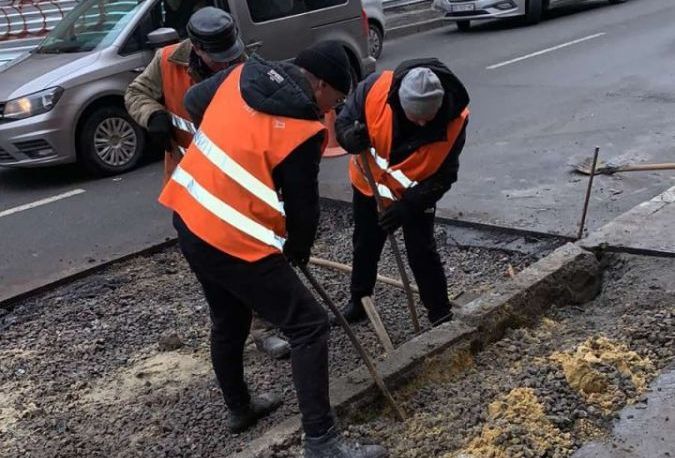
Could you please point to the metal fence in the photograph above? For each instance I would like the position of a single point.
(23, 23)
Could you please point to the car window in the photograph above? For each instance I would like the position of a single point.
(266, 10)
(92, 24)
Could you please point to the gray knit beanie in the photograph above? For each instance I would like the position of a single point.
(421, 93)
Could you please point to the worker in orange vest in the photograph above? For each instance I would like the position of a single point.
(412, 124)
(246, 207)
(155, 100)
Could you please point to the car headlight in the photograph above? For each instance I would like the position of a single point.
(33, 104)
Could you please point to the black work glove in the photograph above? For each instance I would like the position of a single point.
(395, 216)
(159, 129)
(354, 139)
(296, 256)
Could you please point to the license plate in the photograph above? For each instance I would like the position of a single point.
(463, 8)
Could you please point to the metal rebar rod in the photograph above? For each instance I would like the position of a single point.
(588, 193)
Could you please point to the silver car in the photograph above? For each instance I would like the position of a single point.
(376, 26)
(463, 11)
(63, 101)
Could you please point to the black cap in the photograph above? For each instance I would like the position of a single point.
(327, 61)
(214, 31)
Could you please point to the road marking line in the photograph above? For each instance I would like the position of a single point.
(544, 51)
(37, 203)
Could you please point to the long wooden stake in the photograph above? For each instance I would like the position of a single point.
(381, 278)
(355, 342)
(347, 268)
(393, 243)
(588, 193)
(377, 323)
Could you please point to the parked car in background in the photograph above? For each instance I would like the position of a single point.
(376, 26)
(463, 11)
(62, 102)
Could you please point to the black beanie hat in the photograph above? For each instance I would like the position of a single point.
(327, 61)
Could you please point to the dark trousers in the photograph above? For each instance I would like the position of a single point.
(233, 288)
(423, 256)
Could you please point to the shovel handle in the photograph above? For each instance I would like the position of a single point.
(377, 378)
(644, 167)
(394, 246)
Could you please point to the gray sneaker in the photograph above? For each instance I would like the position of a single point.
(259, 407)
(333, 445)
(273, 346)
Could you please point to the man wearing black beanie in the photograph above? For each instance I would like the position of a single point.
(260, 137)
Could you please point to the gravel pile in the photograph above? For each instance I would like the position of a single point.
(117, 364)
(540, 392)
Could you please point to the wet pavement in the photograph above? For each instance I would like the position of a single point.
(645, 430)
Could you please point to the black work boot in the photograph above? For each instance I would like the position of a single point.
(260, 406)
(439, 315)
(353, 313)
(333, 445)
(273, 346)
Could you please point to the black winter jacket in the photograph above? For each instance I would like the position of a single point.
(296, 176)
(408, 137)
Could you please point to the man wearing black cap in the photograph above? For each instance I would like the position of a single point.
(246, 206)
(155, 100)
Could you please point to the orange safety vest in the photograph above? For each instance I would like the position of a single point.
(223, 188)
(176, 81)
(392, 181)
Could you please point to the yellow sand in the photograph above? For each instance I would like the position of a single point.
(578, 366)
(519, 408)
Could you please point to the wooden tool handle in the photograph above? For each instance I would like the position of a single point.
(645, 167)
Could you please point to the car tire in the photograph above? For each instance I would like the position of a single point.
(533, 11)
(464, 25)
(375, 39)
(110, 142)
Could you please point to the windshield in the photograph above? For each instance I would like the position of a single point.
(93, 24)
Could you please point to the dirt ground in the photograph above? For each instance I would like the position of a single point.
(540, 392)
(83, 372)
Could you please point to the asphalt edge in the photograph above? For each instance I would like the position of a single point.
(569, 275)
(9, 302)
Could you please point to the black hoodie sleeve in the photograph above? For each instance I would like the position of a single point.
(297, 178)
(354, 107)
(428, 192)
(199, 96)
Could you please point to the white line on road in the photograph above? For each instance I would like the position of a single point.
(544, 51)
(40, 202)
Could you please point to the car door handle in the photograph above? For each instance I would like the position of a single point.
(254, 46)
(138, 69)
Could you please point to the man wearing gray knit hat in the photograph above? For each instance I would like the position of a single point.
(411, 122)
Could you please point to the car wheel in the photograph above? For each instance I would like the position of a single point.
(375, 40)
(464, 26)
(110, 142)
(533, 11)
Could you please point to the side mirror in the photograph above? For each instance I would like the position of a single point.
(162, 37)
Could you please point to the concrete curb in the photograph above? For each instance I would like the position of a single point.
(568, 275)
(357, 388)
(618, 234)
(415, 27)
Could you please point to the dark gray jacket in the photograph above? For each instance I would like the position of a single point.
(408, 137)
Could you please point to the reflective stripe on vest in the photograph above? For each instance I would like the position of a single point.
(182, 124)
(225, 212)
(393, 181)
(223, 188)
(229, 167)
(176, 81)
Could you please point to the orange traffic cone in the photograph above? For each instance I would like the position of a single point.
(333, 149)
